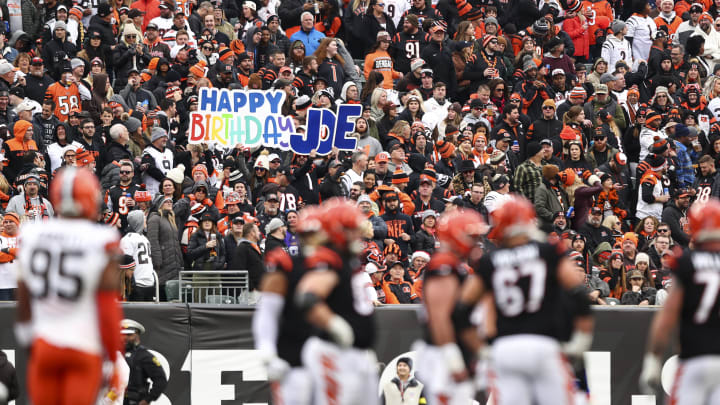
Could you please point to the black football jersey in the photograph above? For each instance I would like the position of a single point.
(348, 298)
(117, 198)
(524, 282)
(698, 273)
(294, 329)
(703, 187)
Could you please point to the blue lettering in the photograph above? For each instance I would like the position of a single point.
(272, 136)
(343, 126)
(224, 102)
(208, 99)
(327, 128)
(256, 101)
(305, 144)
(239, 100)
(275, 99)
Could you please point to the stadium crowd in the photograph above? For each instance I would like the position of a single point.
(603, 113)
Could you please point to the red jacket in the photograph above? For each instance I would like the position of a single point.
(579, 36)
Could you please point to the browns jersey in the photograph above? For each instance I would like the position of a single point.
(524, 283)
(698, 273)
(65, 97)
(348, 299)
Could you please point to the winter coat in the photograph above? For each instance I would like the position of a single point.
(249, 257)
(634, 298)
(424, 241)
(201, 256)
(547, 203)
(579, 36)
(124, 60)
(31, 18)
(164, 247)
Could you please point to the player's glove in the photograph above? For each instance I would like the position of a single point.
(23, 333)
(650, 375)
(579, 343)
(277, 368)
(340, 331)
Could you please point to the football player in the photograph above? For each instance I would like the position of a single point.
(527, 279)
(445, 358)
(67, 295)
(693, 304)
(279, 328)
(332, 297)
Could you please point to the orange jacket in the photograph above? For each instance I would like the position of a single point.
(600, 9)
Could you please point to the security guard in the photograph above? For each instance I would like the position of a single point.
(143, 366)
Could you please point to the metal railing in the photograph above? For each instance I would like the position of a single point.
(215, 287)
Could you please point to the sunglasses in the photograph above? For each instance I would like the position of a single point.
(259, 169)
(131, 36)
(125, 171)
(500, 89)
(207, 48)
(663, 230)
(547, 107)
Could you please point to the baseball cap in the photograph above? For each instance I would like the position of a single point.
(382, 157)
(151, 26)
(135, 13)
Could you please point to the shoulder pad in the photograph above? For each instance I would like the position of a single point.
(278, 259)
(324, 259)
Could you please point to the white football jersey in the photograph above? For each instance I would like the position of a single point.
(61, 261)
(395, 10)
(163, 161)
(164, 24)
(138, 246)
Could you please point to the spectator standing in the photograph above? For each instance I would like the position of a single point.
(206, 249)
(30, 205)
(249, 256)
(135, 244)
(275, 231)
(8, 250)
(641, 29)
(400, 227)
(528, 175)
(308, 35)
(675, 216)
(164, 244)
(403, 388)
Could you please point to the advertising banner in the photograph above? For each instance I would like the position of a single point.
(207, 351)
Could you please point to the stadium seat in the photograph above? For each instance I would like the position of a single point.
(171, 290)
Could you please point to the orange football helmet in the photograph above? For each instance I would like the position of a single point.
(338, 217)
(75, 192)
(309, 220)
(461, 230)
(705, 220)
(514, 217)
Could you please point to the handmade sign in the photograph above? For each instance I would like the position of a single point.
(254, 118)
